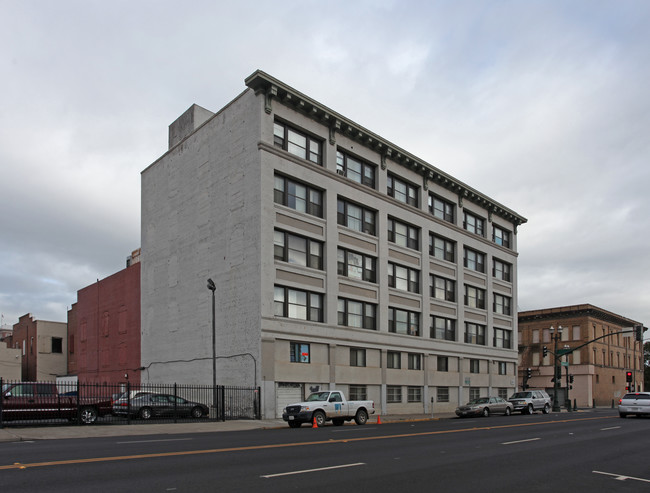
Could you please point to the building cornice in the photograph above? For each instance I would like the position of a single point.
(273, 89)
(575, 312)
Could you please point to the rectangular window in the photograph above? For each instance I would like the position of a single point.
(298, 196)
(403, 191)
(393, 394)
(415, 361)
(296, 249)
(298, 304)
(403, 278)
(501, 270)
(394, 360)
(503, 338)
(358, 314)
(355, 217)
(403, 234)
(474, 224)
(442, 288)
(403, 322)
(442, 248)
(299, 352)
(501, 236)
(358, 393)
(443, 363)
(442, 328)
(442, 394)
(503, 393)
(474, 393)
(474, 366)
(414, 394)
(503, 368)
(474, 297)
(474, 260)
(355, 169)
(442, 209)
(297, 143)
(57, 345)
(502, 304)
(357, 357)
(356, 265)
(474, 333)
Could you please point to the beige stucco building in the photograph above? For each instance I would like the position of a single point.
(340, 259)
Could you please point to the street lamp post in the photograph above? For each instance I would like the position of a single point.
(555, 336)
(212, 287)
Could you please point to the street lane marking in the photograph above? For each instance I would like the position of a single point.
(313, 470)
(156, 441)
(285, 445)
(521, 441)
(621, 477)
(611, 428)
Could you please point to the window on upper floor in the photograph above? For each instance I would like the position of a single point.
(403, 322)
(442, 328)
(298, 304)
(501, 270)
(298, 196)
(474, 333)
(442, 288)
(357, 357)
(443, 363)
(501, 236)
(299, 352)
(57, 345)
(503, 368)
(503, 338)
(356, 265)
(296, 249)
(394, 359)
(474, 297)
(474, 366)
(355, 169)
(474, 260)
(403, 191)
(442, 248)
(355, 217)
(502, 304)
(414, 361)
(403, 278)
(352, 313)
(474, 224)
(298, 143)
(441, 208)
(403, 234)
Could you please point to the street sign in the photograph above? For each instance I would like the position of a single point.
(565, 363)
(561, 352)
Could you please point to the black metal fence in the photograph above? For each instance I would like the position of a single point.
(48, 403)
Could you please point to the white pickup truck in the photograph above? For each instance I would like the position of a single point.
(329, 405)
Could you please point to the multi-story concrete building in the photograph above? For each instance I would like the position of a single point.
(43, 348)
(10, 358)
(340, 260)
(104, 328)
(598, 368)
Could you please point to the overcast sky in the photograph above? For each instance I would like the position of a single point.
(542, 105)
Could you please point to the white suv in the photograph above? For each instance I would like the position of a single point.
(528, 401)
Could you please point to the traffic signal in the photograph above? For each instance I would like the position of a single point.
(529, 373)
(570, 378)
(638, 333)
(628, 376)
(545, 351)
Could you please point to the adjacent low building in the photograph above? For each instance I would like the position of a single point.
(601, 350)
(340, 261)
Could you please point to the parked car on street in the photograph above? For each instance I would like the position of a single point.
(484, 406)
(529, 401)
(636, 403)
(149, 405)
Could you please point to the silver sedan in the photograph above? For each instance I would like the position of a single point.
(484, 406)
(636, 403)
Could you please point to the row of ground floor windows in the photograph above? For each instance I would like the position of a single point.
(396, 393)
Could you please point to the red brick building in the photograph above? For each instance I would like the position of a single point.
(104, 329)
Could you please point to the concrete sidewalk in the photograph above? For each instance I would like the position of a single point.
(53, 432)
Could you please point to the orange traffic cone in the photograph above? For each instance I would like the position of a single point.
(314, 425)
(378, 419)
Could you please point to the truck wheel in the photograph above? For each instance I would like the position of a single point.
(319, 417)
(361, 417)
(145, 413)
(547, 409)
(294, 424)
(88, 415)
(338, 421)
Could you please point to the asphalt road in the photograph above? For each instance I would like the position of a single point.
(578, 452)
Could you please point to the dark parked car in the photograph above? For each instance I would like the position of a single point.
(147, 406)
(484, 406)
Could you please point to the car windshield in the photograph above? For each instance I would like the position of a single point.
(521, 395)
(480, 400)
(318, 396)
